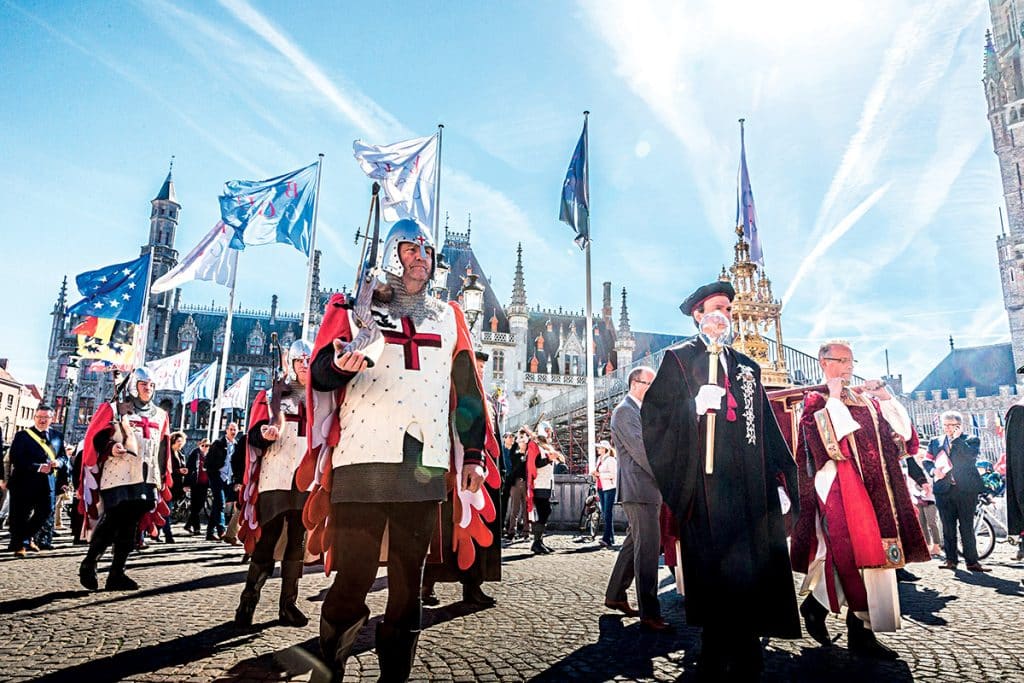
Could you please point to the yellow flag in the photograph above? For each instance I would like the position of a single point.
(106, 339)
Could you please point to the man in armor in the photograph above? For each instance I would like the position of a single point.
(126, 480)
(271, 500)
(397, 418)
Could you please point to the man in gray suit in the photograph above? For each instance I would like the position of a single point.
(641, 501)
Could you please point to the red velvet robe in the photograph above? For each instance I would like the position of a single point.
(865, 503)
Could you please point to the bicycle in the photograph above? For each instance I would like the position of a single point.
(591, 523)
(988, 528)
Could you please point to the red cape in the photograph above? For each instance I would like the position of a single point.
(323, 432)
(249, 530)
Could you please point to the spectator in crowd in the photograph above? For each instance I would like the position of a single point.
(33, 455)
(924, 501)
(219, 472)
(178, 472)
(957, 487)
(516, 486)
(606, 473)
(197, 484)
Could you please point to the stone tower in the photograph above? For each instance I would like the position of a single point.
(1004, 94)
(163, 222)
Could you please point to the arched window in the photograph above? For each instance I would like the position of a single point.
(498, 362)
(260, 379)
(218, 341)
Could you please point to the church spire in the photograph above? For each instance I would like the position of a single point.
(624, 330)
(62, 298)
(518, 285)
(166, 193)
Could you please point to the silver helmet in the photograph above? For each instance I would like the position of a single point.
(139, 375)
(407, 230)
(299, 350)
(544, 431)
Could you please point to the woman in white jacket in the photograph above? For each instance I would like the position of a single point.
(606, 472)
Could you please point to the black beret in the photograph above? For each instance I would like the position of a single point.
(481, 355)
(704, 293)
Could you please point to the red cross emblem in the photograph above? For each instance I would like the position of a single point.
(411, 341)
(420, 240)
(145, 424)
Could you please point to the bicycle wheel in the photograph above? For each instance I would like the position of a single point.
(984, 537)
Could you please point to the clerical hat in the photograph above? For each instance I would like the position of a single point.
(482, 355)
(1020, 370)
(705, 292)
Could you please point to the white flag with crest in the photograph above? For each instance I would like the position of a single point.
(407, 172)
(212, 260)
(171, 373)
(237, 395)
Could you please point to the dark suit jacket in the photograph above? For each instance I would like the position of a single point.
(963, 454)
(215, 459)
(636, 479)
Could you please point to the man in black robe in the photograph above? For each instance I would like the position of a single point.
(736, 569)
(31, 485)
(1015, 471)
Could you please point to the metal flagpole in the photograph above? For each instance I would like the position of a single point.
(143, 332)
(312, 255)
(437, 189)
(591, 429)
(215, 408)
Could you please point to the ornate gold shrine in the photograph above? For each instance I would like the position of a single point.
(755, 311)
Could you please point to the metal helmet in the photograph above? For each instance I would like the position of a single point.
(139, 375)
(299, 350)
(407, 230)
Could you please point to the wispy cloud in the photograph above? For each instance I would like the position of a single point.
(141, 83)
(360, 110)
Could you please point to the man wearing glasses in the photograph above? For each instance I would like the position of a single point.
(858, 524)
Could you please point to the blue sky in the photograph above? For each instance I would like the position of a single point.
(867, 140)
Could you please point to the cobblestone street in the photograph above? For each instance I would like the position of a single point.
(550, 624)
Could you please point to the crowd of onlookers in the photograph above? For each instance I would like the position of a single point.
(39, 484)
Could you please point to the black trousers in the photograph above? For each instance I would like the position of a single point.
(198, 500)
(271, 532)
(957, 509)
(118, 526)
(30, 508)
(542, 503)
(358, 529)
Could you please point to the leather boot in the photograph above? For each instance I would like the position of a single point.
(862, 640)
(538, 547)
(288, 612)
(814, 614)
(117, 580)
(396, 652)
(254, 580)
(336, 643)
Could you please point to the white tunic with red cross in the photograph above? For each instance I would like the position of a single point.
(406, 391)
(282, 458)
(128, 469)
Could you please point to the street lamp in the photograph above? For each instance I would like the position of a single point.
(441, 271)
(472, 298)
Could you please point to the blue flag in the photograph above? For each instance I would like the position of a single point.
(115, 292)
(576, 193)
(746, 216)
(276, 210)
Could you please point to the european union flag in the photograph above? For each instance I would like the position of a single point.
(115, 292)
(276, 210)
(576, 193)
